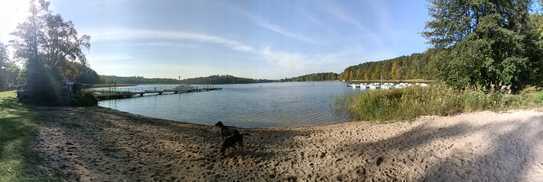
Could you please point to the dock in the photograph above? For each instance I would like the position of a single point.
(389, 81)
(128, 93)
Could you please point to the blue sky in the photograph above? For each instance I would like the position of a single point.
(258, 39)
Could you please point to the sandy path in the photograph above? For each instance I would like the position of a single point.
(98, 144)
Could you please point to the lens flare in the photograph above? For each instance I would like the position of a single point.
(12, 12)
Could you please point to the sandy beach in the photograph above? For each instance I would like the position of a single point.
(97, 144)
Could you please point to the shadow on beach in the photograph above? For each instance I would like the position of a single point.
(101, 144)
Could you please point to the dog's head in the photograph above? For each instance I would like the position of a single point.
(219, 124)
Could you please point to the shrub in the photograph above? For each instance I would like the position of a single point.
(84, 99)
(539, 97)
(409, 103)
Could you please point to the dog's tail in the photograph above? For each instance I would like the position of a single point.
(247, 134)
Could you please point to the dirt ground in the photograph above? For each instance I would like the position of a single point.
(97, 144)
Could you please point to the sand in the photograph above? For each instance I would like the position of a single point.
(97, 144)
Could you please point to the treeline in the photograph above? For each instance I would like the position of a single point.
(415, 66)
(107, 79)
(214, 79)
(313, 77)
(223, 79)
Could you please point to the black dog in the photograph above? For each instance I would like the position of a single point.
(226, 131)
(231, 141)
(230, 136)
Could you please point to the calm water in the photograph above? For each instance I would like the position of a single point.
(246, 105)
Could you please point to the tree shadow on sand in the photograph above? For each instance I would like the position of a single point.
(511, 157)
(132, 147)
(403, 157)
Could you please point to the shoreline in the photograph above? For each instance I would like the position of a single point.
(97, 144)
(143, 118)
(154, 119)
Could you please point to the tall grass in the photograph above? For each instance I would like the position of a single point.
(409, 103)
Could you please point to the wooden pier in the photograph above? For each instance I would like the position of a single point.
(123, 94)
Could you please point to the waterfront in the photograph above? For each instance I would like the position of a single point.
(288, 104)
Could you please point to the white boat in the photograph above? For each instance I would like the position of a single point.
(385, 86)
(352, 85)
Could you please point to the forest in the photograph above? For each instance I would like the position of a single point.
(313, 77)
(415, 66)
(110, 79)
(223, 79)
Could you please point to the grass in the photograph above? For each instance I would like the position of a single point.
(17, 128)
(409, 103)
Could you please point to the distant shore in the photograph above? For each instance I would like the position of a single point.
(111, 85)
(98, 144)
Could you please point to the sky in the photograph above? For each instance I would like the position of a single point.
(247, 38)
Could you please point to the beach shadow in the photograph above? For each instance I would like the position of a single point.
(384, 159)
(512, 156)
(267, 149)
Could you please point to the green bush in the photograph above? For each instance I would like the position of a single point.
(539, 97)
(409, 103)
(84, 99)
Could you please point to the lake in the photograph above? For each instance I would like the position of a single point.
(286, 104)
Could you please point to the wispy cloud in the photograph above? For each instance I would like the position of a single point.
(311, 17)
(344, 16)
(291, 63)
(278, 29)
(113, 57)
(158, 35)
(103, 62)
(261, 22)
(382, 12)
(295, 63)
(151, 37)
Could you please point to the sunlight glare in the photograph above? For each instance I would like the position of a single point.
(12, 12)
